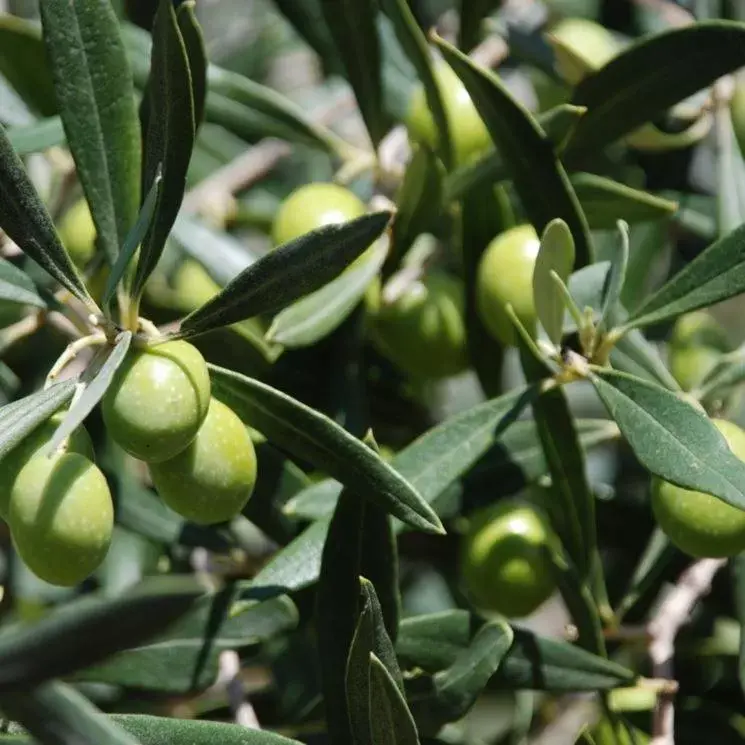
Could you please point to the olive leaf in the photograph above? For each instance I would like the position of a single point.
(95, 96)
(196, 54)
(36, 137)
(391, 722)
(616, 278)
(16, 286)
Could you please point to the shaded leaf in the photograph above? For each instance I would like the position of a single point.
(391, 723)
(738, 582)
(196, 54)
(287, 273)
(616, 278)
(25, 219)
(95, 96)
(17, 287)
(672, 438)
(310, 435)
(539, 177)
(635, 355)
(37, 136)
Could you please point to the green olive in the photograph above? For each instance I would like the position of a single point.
(311, 207)
(78, 442)
(423, 331)
(505, 276)
(158, 400)
(591, 43)
(468, 133)
(61, 517)
(193, 286)
(696, 345)
(504, 562)
(211, 480)
(737, 111)
(697, 523)
(78, 233)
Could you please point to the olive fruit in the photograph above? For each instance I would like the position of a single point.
(423, 331)
(311, 207)
(193, 286)
(699, 524)
(737, 111)
(158, 400)
(77, 442)
(592, 44)
(505, 276)
(696, 345)
(61, 517)
(468, 133)
(211, 480)
(504, 562)
(78, 233)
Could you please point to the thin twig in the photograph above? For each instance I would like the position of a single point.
(229, 677)
(671, 13)
(673, 613)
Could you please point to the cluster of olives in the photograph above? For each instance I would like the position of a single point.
(159, 409)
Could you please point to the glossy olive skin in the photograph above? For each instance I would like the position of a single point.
(505, 276)
(697, 343)
(589, 41)
(78, 233)
(468, 133)
(61, 517)
(311, 207)
(504, 564)
(158, 400)
(78, 442)
(423, 332)
(212, 479)
(193, 286)
(699, 524)
(737, 111)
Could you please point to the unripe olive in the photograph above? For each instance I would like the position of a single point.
(77, 442)
(311, 207)
(696, 345)
(468, 133)
(61, 517)
(193, 286)
(78, 233)
(504, 562)
(697, 523)
(737, 111)
(158, 400)
(505, 276)
(211, 480)
(592, 43)
(423, 331)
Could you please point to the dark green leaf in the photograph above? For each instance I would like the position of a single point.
(170, 134)
(307, 20)
(185, 657)
(672, 438)
(433, 642)
(24, 63)
(353, 30)
(38, 136)
(25, 219)
(714, 275)
(738, 581)
(635, 355)
(540, 180)
(196, 54)
(472, 14)
(391, 721)
(676, 64)
(16, 286)
(51, 648)
(95, 96)
(21, 418)
(605, 201)
(616, 278)
(310, 435)
(287, 273)
(315, 316)
(56, 714)
(415, 46)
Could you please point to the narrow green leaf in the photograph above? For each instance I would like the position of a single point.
(616, 278)
(730, 173)
(472, 14)
(635, 355)
(604, 201)
(539, 177)
(287, 273)
(37, 137)
(191, 33)
(17, 287)
(353, 30)
(672, 438)
(307, 434)
(56, 714)
(391, 721)
(50, 648)
(132, 241)
(555, 257)
(677, 64)
(20, 418)
(151, 730)
(24, 63)
(315, 316)
(714, 275)
(169, 139)
(95, 96)
(25, 219)
(414, 44)
(307, 20)
(433, 642)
